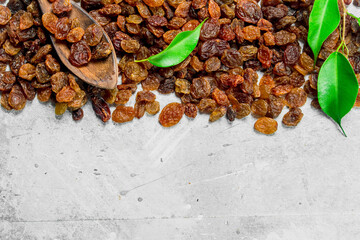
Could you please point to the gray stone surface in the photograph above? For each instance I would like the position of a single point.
(65, 180)
(62, 180)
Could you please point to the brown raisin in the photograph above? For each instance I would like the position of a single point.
(296, 98)
(17, 99)
(152, 108)
(266, 125)
(80, 54)
(75, 35)
(61, 6)
(93, 35)
(43, 94)
(171, 114)
(123, 114)
(293, 117)
(135, 72)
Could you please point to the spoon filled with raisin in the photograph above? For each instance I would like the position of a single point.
(81, 43)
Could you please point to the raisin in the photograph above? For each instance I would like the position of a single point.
(306, 62)
(101, 51)
(209, 30)
(18, 61)
(266, 125)
(226, 33)
(230, 114)
(167, 86)
(130, 46)
(123, 114)
(296, 98)
(101, 108)
(101, 19)
(135, 72)
(171, 114)
(154, 3)
(218, 113)
(27, 71)
(269, 39)
(80, 54)
(296, 79)
(265, 25)
(60, 7)
(291, 54)
(190, 110)
(26, 21)
(293, 117)
(152, 108)
(66, 94)
(7, 80)
(241, 110)
(52, 64)
(17, 99)
(58, 81)
(93, 35)
(259, 108)
(41, 54)
(248, 52)
(42, 75)
(207, 105)
(183, 9)
(182, 86)
(212, 48)
(110, 10)
(196, 64)
(142, 9)
(139, 108)
(273, 13)
(283, 38)
(231, 80)
(75, 35)
(78, 114)
(190, 25)
(176, 23)
(220, 97)
(15, 6)
(10, 48)
(170, 35)
(285, 22)
(315, 103)
(43, 94)
(212, 64)
(63, 27)
(281, 89)
(251, 33)
(5, 101)
(265, 56)
(248, 11)
(200, 88)
(231, 58)
(60, 108)
(276, 106)
(214, 9)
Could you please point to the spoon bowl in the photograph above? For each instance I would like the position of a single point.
(99, 73)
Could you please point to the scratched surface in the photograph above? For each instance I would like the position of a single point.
(62, 180)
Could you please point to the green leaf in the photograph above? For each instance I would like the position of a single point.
(337, 87)
(179, 49)
(324, 19)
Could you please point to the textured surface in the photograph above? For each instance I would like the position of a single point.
(61, 179)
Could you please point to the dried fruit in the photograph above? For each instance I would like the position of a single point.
(171, 114)
(80, 54)
(293, 117)
(123, 114)
(266, 125)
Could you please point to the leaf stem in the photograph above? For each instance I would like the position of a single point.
(343, 44)
(142, 60)
(342, 130)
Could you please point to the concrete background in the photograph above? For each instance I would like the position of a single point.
(61, 179)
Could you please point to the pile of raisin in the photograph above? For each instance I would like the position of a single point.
(33, 67)
(240, 40)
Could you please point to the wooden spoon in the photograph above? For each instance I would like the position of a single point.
(100, 73)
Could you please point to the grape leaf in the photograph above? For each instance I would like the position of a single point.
(179, 49)
(337, 87)
(324, 19)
